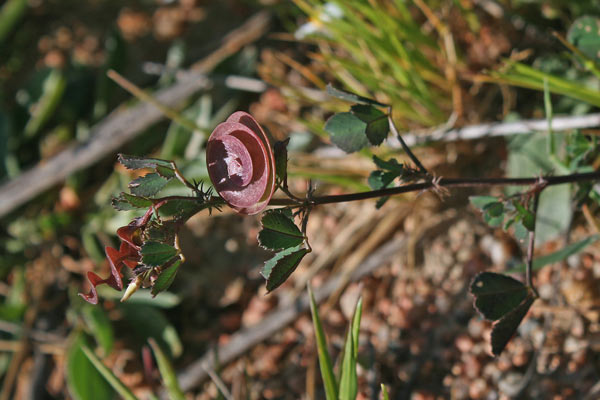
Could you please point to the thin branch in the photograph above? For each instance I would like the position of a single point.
(531, 246)
(404, 145)
(414, 187)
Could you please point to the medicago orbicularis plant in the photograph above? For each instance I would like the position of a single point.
(245, 170)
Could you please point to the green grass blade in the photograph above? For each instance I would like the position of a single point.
(111, 378)
(167, 372)
(384, 392)
(10, 14)
(349, 378)
(325, 364)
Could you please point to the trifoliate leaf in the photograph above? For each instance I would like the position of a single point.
(347, 132)
(155, 254)
(504, 329)
(279, 231)
(496, 294)
(280, 267)
(147, 185)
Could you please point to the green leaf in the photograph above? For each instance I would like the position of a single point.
(134, 162)
(351, 97)
(83, 379)
(281, 159)
(557, 256)
(349, 380)
(585, 35)
(148, 322)
(100, 326)
(167, 372)
(280, 267)
(325, 364)
(376, 120)
(166, 278)
(11, 13)
(496, 294)
(180, 209)
(379, 179)
(165, 172)
(391, 165)
(155, 254)
(504, 329)
(110, 377)
(493, 221)
(147, 185)
(126, 202)
(494, 209)
(278, 231)
(347, 132)
(481, 201)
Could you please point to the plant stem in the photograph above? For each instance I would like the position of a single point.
(531, 246)
(404, 145)
(414, 187)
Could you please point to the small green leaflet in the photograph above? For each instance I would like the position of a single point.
(504, 300)
(281, 159)
(279, 231)
(481, 201)
(496, 294)
(584, 34)
(165, 279)
(281, 266)
(377, 122)
(347, 132)
(504, 329)
(147, 185)
(379, 179)
(351, 97)
(126, 201)
(133, 162)
(155, 254)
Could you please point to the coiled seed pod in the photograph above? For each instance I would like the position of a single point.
(241, 164)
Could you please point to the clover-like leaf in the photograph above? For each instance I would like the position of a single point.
(377, 123)
(496, 295)
(165, 279)
(280, 267)
(155, 254)
(148, 185)
(391, 165)
(347, 131)
(504, 329)
(241, 163)
(279, 231)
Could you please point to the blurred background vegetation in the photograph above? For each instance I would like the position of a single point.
(440, 63)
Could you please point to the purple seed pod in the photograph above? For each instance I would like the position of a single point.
(241, 164)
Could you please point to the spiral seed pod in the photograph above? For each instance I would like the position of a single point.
(241, 164)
